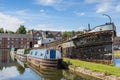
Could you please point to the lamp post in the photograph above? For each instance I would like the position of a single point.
(108, 17)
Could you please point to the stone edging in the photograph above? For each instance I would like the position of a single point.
(100, 75)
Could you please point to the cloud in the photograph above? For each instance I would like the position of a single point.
(42, 12)
(9, 22)
(58, 4)
(118, 8)
(91, 1)
(22, 12)
(79, 13)
(51, 27)
(82, 28)
(102, 6)
(48, 2)
(6, 73)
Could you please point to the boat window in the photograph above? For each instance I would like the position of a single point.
(36, 53)
(41, 54)
(47, 52)
(31, 52)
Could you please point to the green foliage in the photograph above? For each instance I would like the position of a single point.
(1, 30)
(21, 30)
(11, 32)
(71, 33)
(95, 66)
(28, 31)
(6, 31)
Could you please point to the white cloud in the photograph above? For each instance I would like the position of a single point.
(42, 12)
(118, 8)
(103, 7)
(79, 13)
(48, 2)
(8, 73)
(81, 28)
(91, 1)
(9, 22)
(22, 12)
(51, 27)
(58, 4)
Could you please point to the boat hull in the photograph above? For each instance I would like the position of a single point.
(22, 58)
(44, 63)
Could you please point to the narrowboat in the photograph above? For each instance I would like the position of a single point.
(45, 58)
(21, 54)
(12, 53)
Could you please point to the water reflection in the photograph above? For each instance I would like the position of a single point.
(5, 60)
(47, 74)
(11, 70)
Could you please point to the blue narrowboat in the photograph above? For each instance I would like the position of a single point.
(45, 58)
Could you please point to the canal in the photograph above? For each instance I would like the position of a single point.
(16, 70)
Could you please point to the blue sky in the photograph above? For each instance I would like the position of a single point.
(60, 15)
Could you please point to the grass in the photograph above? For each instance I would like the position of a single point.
(107, 69)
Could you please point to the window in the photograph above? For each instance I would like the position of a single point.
(21, 46)
(8, 42)
(31, 52)
(16, 39)
(36, 53)
(47, 52)
(37, 34)
(8, 38)
(41, 54)
(8, 46)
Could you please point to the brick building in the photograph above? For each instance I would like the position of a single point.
(39, 34)
(16, 40)
(27, 40)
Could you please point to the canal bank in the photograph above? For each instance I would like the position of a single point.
(100, 71)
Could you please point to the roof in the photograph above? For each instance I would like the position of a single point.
(5, 35)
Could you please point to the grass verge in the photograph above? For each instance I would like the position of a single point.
(107, 69)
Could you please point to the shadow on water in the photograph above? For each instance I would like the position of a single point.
(20, 69)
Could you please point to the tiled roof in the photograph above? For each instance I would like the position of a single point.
(4, 35)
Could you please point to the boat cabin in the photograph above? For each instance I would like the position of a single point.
(21, 51)
(13, 49)
(46, 53)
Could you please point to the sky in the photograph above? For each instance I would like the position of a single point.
(58, 15)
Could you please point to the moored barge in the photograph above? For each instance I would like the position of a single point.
(45, 58)
(21, 54)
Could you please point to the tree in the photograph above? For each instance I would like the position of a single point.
(21, 30)
(29, 31)
(11, 32)
(67, 34)
(1, 30)
(6, 31)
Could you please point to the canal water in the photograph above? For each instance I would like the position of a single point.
(16, 70)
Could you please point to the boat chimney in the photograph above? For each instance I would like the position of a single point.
(89, 27)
